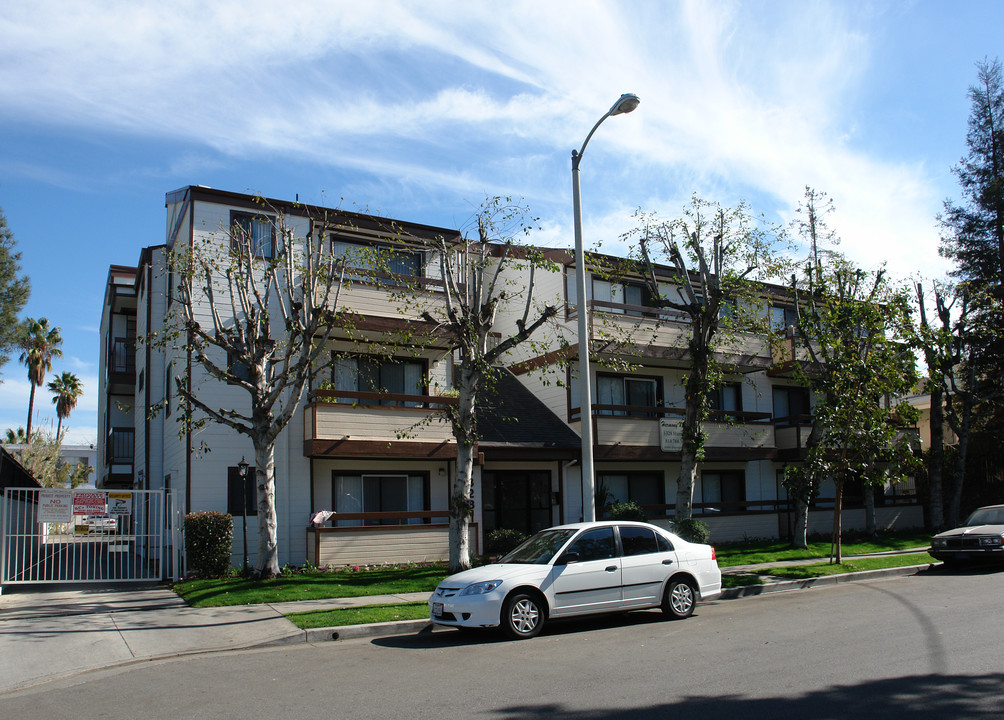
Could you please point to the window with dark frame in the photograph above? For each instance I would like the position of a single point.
(237, 368)
(644, 488)
(237, 497)
(790, 402)
(626, 390)
(256, 232)
(727, 397)
(366, 373)
(356, 492)
(405, 262)
(723, 490)
(167, 389)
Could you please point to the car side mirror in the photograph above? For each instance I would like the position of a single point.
(568, 558)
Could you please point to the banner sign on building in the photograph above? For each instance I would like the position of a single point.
(671, 434)
(55, 506)
(120, 503)
(89, 503)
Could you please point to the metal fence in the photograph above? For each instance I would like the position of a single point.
(65, 536)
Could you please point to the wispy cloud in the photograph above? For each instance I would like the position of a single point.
(738, 100)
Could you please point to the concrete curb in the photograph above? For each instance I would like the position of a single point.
(401, 627)
(789, 585)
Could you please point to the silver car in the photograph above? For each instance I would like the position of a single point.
(981, 537)
(580, 569)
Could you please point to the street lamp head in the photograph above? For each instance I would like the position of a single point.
(242, 467)
(625, 104)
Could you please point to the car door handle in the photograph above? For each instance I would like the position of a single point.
(667, 562)
(611, 568)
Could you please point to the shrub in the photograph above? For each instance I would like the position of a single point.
(208, 539)
(628, 510)
(692, 530)
(502, 540)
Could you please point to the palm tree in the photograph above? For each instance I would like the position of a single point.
(66, 390)
(39, 345)
(16, 437)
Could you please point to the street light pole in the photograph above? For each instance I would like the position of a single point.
(242, 469)
(625, 104)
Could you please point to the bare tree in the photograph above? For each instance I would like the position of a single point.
(255, 306)
(485, 274)
(715, 256)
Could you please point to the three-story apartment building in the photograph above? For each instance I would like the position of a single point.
(363, 468)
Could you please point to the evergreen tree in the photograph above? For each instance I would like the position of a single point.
(14, 290)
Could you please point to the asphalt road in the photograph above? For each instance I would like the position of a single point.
(923, 647)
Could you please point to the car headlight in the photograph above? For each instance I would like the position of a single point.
(481, 588)
(939, 542)
(991, 541)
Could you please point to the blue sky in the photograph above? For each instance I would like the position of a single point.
(419, 110)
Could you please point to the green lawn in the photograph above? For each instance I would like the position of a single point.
(311, 585)
(799, 572)
(778, 551)
(359, 615)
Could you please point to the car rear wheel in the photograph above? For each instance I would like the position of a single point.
(679, 599)
(522, 616)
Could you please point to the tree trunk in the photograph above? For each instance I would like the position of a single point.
(31, 406)
(870, 528)
(461, 497)
(959, 475)
(799, 537)
(837, 554)
(268, 541)
(936, 460)
(693, 432)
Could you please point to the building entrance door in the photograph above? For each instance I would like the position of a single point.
(517, 500)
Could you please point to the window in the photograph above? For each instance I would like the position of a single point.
(782, 318)
(254, 231)
(378, 258)
(241, 499)
(358, 492)
(728, 397)
(139, 381)
(634, 294)
(238, 369)
(595, 544)
(371, 374)
(638, 540)
(789, 404)
(624, 390)
(723, 490)
(644, 488)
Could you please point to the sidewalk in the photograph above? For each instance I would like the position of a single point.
(54, 631)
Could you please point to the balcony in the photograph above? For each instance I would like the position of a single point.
(344, 423)
(642, 432)
(657, 334)
(122, 365)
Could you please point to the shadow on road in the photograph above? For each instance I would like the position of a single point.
(455, 638)
(918, 697)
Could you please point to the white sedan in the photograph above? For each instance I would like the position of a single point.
(580, 569)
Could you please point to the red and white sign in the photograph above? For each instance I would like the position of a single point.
(55, 506)
(89, 503)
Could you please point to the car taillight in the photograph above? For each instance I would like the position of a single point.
(713, 556)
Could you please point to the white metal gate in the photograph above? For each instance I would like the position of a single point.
(64, 536)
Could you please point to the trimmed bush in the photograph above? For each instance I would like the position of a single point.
(692, 530)
(628, 510)
(502, 540)
(208, 540)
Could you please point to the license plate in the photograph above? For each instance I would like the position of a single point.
(962, 556)
(437, 609)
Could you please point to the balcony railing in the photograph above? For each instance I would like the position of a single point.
(123, 356)
(120, 446)
(369, 416)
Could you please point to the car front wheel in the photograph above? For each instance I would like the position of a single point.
(679, 599)
(522, 616)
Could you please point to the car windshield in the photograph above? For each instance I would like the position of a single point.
(986, 516)
(540, 548)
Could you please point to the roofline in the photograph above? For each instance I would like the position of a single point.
(362, 220)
